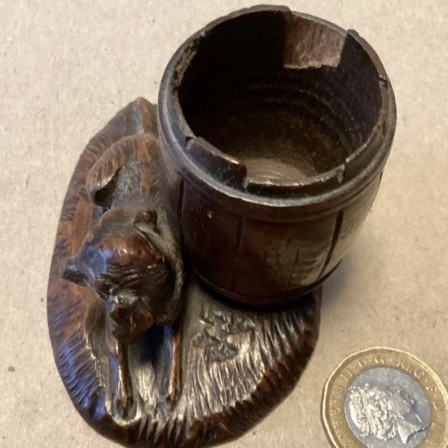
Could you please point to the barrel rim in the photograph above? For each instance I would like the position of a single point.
(322, 191)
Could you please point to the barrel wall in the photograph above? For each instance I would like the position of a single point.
(260, 261)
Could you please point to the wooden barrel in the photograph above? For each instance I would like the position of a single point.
(274, 127)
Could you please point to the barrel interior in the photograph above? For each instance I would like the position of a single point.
(287, 95)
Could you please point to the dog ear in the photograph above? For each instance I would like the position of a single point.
(102, 178)
(73, 273)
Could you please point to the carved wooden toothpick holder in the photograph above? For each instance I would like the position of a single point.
(183, 300)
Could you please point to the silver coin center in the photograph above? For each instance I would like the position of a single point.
(387, 408)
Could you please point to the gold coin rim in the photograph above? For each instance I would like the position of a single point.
(346, 362)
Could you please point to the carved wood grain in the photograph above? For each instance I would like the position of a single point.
(237, 364)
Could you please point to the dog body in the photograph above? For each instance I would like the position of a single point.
(131, 259)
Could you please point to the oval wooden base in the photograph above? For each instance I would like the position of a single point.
(236, 364)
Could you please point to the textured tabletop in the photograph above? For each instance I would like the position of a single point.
(67, 67)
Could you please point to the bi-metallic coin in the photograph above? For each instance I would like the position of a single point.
(385, 398)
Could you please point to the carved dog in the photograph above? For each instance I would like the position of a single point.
(131, 259)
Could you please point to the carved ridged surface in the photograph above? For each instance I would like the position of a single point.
(237, 364)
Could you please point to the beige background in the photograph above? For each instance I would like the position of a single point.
(67, 66)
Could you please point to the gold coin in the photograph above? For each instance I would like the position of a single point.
(385, 398)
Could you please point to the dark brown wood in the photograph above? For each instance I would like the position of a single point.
(129, 257)
(144, 364)
(184, 292)
(275, 127)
